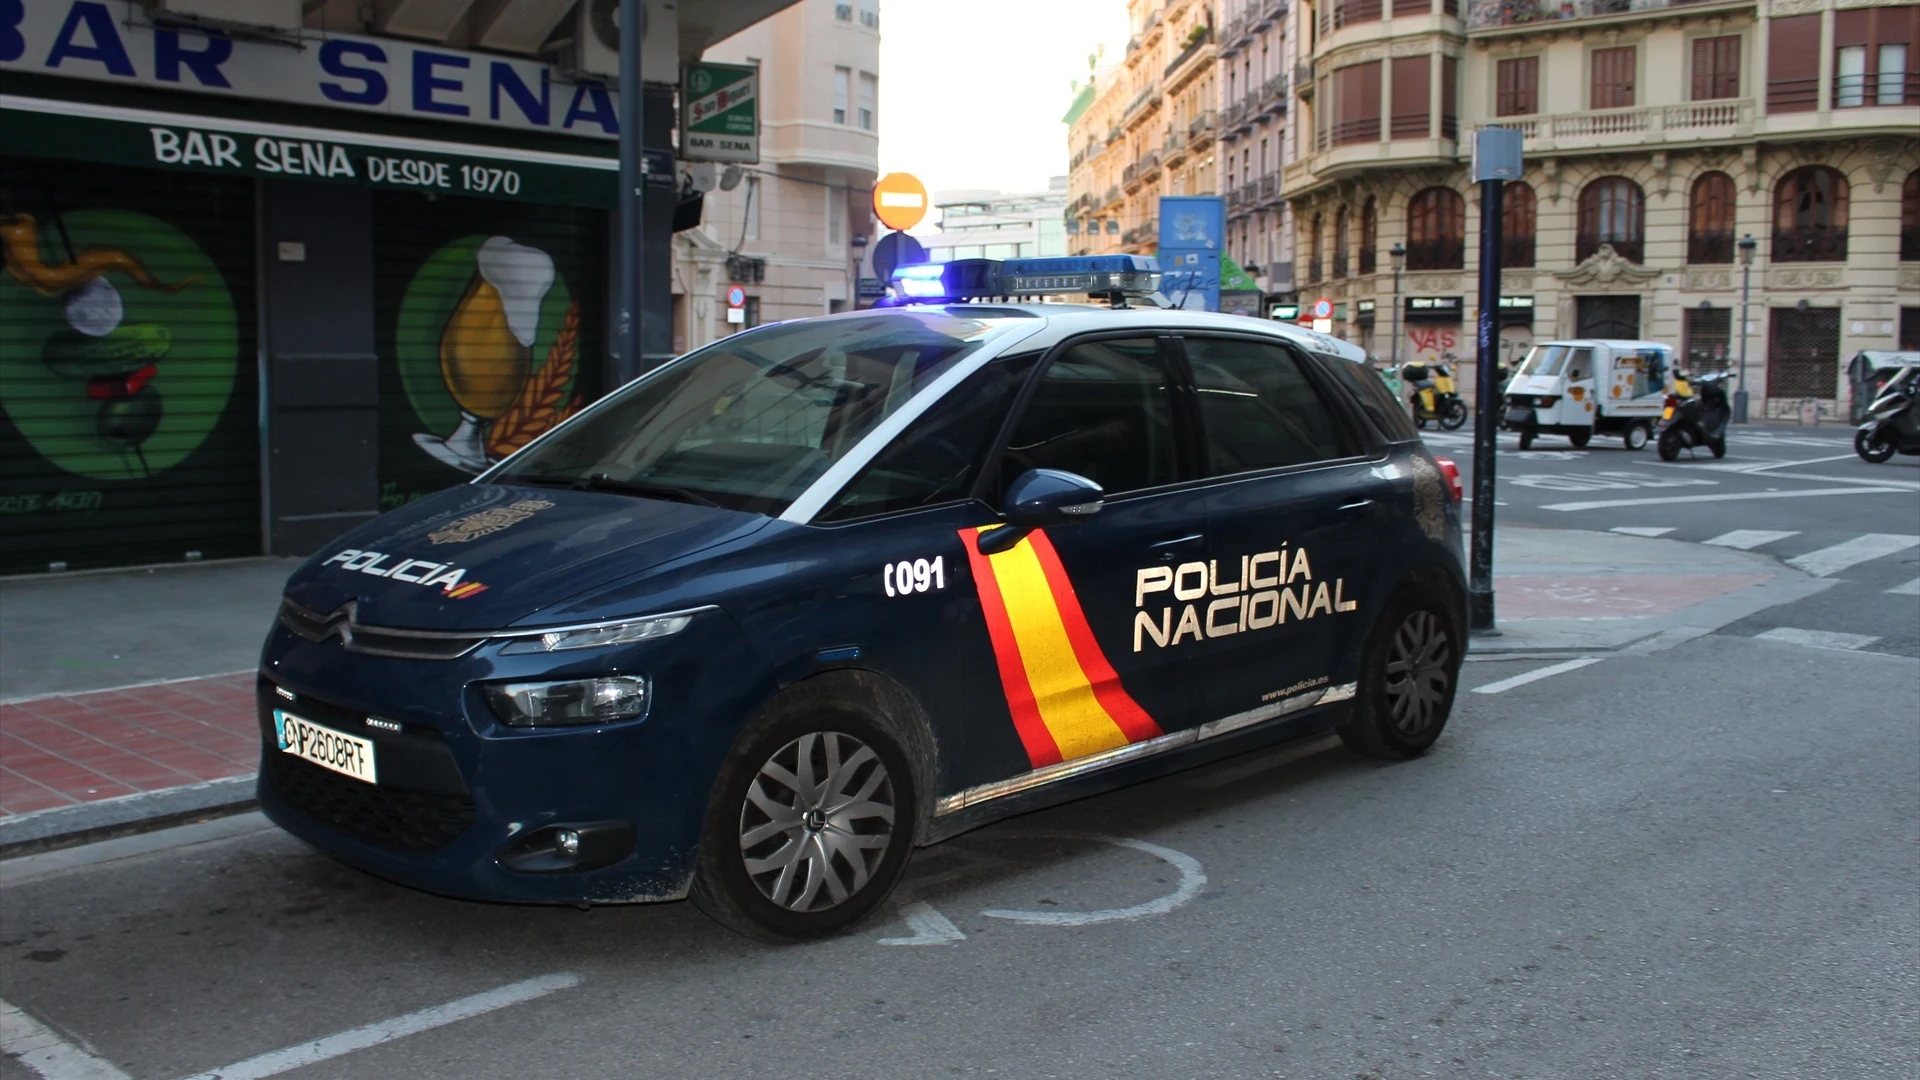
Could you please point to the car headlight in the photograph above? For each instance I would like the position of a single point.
(574, 701)
(625, 633)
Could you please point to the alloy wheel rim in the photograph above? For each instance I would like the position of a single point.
(1417, 675)
(817, 821)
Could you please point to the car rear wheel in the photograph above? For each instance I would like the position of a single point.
(810, 828)
(1408, 675)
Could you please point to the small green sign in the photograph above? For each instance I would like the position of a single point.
(720, 113)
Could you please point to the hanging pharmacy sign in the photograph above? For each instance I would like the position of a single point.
(720, 113)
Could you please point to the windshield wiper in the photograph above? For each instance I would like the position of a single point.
(603, 482)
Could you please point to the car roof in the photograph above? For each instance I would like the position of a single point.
(1611, 343)
(1069, 319)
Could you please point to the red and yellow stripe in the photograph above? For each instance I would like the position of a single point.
(1066, 700)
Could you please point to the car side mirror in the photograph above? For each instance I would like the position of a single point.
(1039, 499)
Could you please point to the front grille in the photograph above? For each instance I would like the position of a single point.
(374, 640)
(415, 821)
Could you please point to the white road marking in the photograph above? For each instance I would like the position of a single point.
(1910, 485)
(1817, 639)
(42, 1050)
(1536, 675)
(1794, 464)
(1192, 880)
(1748, 539)
(1911, 588)
(929, 927)
(1675, 500)
(360, 1038)
(1831, 560)
(1641, 530)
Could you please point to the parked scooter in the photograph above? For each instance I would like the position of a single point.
(1892, 425)
(1435, 397)
(1693, 419)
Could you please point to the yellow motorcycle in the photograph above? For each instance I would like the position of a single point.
(1435, 396)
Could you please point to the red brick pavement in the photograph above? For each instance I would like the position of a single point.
(69, 749)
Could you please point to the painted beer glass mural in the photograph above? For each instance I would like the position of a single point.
(122, 379)
(491, 313)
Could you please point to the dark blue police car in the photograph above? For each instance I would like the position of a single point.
(757, 624)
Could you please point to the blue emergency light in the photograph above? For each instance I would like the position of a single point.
(1113, 276)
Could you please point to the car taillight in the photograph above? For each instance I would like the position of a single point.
(1548, 402)
(1672, 402)
(1452, 472)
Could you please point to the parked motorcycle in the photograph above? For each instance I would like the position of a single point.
(1892, 426)
(1698, 418)
(1435, 396)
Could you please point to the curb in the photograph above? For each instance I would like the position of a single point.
(68, 826)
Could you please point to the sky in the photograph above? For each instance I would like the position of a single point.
(972, 91)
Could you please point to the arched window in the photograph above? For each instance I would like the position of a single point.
(1518, 215)
(1910, 218)
(1710, 220)
(1340, 243)
(1370, 232)
(1810, 216)
(1612, 211)
(1437, 230)
(1313, 252)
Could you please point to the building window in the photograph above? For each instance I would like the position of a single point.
(1340, 243)
(1517, 87)
(1710, 220)
(1708, 333)
(1356, 103)
(870, 13)
(1370, 233)
(1910, 218)
(1716, 67)
(842, 92)
(869, 96)
(1872, 62)
(1613, 78)
(1437, 230)
(843, 12)
(1313, 252)
(1793, 64)
(1613, 210)
(1518, 218)
(1810, 216)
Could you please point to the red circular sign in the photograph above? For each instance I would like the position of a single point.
(1323, 308)
(736, 297)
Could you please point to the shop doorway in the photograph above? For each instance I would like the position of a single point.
(1803, 355)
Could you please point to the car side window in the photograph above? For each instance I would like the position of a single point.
(1104, 410)
(1376, 400)
(1259, 410)
(939, 455)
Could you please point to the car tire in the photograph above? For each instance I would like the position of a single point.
(1718, 447)
(1526, 440)
(1669, 447)
(1580, 439)
(1409, 672)
(811, 823)
(1636, 435)
(1454, 415)
(1872, 449)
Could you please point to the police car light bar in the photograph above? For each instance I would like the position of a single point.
(973, 279)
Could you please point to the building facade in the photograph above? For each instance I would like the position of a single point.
(992, 225)
(1656, 135)
(783, 230)
(1255, 114)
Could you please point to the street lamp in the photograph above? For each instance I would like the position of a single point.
(1746, 245)
(1398, 255)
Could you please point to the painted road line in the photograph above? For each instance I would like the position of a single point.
(1678, 500)
(1817, 639)
(929, 927)
(1831, 560)
(42, 1050)
(1748, 539)
(1911, 588)
(1641, 530)
(1536, 675)
(360, 1038)
(1796, 464)
(1192, 880)
(1910, 485)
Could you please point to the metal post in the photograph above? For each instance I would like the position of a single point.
(1394, 356)
(1747, 244)
(1486, 409)
(630, 213)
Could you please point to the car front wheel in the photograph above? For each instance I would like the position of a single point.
(1408, 675)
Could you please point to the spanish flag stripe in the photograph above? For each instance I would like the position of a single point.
(1041, 749)
(1061, 689)
(1126, 713)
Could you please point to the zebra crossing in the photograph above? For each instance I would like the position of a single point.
(1820, 560)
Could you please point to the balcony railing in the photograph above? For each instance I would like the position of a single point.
(1341, 13)
(1267, 13)
(1810, 244)
(1340, 265)
(1269, 188)
(1436, 254)
(1364, 129)
(1112, 196)
(1367, 257)
(1910, 243)
(1272, 96)
(1303, 78)
(1148, 164)
(1485, 14)
(1709, 248)
(1516, 252)
(1200, 125)
(1653, 123)
(1191, 51)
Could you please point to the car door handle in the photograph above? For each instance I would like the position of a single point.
(1170, 549)
(1357, 507)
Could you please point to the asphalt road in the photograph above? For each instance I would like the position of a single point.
(1790, 492)
(1693, 863)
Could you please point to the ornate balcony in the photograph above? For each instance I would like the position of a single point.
(1495, 15)
(1303, 78)
(1201, 127)
(1272, 97)
(1195, 47)
(1268, 13)
(1811, 244)
(1269, 189)
(1608, 129)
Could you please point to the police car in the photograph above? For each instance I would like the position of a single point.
(759, 623)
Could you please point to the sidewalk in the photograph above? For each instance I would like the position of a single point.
(126, 698)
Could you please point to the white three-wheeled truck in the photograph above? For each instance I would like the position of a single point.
(1578, 388)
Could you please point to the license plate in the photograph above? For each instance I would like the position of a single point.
(348, 755)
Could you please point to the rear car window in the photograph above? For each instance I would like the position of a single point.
(1259, 409)
(1103, 410)
(1369, 388)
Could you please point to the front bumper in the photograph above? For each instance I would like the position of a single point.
(460, 796)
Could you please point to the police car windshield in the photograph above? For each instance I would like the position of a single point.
(1544, 360)
(750, 421)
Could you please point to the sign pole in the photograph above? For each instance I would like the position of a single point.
(1496, 159)
(629, 213)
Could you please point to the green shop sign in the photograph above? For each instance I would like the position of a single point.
(218, 145)
(720, 113)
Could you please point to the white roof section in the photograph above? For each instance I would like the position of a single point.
(1611, 343)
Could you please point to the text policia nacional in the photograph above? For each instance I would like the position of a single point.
(1271, 587)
